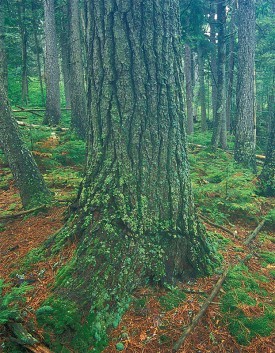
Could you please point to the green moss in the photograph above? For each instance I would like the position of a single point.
(240, 286)
(172, 299)
(268, 257)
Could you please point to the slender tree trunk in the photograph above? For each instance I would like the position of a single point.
(213, 56)
(32, 188)
(189, 88)
(136, 218)
(245, 127)
(219, 127)
(3, 59)
(24, 41)
(202, 88)
(231, 64)
(64, 36)
(53, 112)
(37, 49)
(78, 94)
(267, 177)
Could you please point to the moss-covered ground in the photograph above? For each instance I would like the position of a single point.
(240, 319)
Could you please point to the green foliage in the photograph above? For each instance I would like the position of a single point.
(172, 299)
(9, 302)
(268, 257)
(221, 187)
(120, 346)
(240, 285)
(70, 153)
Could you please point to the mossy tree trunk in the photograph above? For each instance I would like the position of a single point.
(32, 188)
(136, 219)
(202, 90)
(188, 88)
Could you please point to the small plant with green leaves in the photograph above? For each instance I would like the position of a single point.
(10, 302)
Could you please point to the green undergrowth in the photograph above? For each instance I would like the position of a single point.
(239, 300)
(172, 299)
(222, 188)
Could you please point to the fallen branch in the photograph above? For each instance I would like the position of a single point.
(217, 225)
(57, 128)
(203, 309)
(33, 109)
(255, 232)
(25, 339)
(22, 213)
(214, 292)
(26, 110)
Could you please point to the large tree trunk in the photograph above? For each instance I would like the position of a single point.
(32, 188)
(219, 127)
(78, 94)
(202, 87)
(53, 112)
(136, 218)
(245, 127)
(189, 88)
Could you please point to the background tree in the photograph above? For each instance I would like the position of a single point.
(53, 112)
(219, 126)
(246, 126)
(78, 94)
(136, 218)
(32, 188)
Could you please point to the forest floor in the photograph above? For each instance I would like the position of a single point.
(239, 319)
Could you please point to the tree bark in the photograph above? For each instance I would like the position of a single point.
(189, 88)
(219, 127)
(202, 87)
(245, 127)
(136, 219)
(32, 188)
(78, 94)
(53, 112)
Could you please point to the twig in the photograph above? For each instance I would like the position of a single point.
(203, 309)
(255, 232)
(216, 225)
(22, 213)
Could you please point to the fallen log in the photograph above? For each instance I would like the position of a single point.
(33, 110)
(22, 213)
(26, 110)
(56, 128)
(255, 232)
